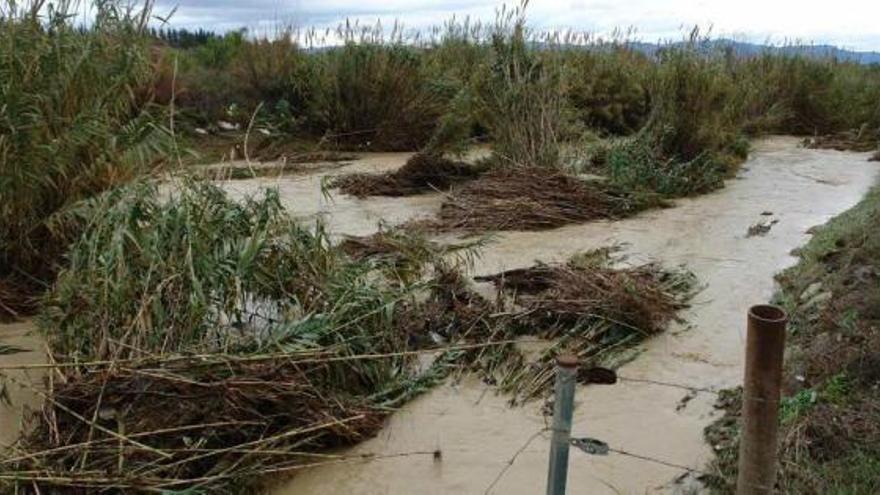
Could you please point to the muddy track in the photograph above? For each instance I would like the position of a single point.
(478, 433)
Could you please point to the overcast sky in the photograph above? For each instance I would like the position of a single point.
(853, 24)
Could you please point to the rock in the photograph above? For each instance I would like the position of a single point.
(226, 126)
(201, 131)
(761, 228)
(818, 300)
(811, 291)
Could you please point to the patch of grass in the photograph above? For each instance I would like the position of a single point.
(793, 407)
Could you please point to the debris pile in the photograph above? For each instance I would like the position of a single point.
(859, 141)
(269, 345)
(201, 423)
(421, 173)
(592, 310)
(529, 199)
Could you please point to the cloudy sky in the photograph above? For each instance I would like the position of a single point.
(853, 24)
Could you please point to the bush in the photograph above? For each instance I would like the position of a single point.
(62, 136)
(689, 95)
(375, 96)
(637, 166)
(519, 100)
(606, 88)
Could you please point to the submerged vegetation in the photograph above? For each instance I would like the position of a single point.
(830, 411)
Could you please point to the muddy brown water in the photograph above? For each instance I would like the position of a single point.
(478, 433)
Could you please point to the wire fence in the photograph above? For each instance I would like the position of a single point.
(583, 443)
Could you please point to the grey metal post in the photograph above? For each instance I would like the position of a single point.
(563, 407)
(765, 346)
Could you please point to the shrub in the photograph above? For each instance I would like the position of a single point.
(375, 96)
(63, 137)
(637, 166)
(518, 98)
(689, 92)
(606, 88)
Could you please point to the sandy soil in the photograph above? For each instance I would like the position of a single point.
(475, 429)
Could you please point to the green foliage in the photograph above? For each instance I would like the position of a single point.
(519, 101)
(195, 271)
(75, 120)
(792, 408)
(637, 166)
(689, 93)
(607, 89)
(376, 96)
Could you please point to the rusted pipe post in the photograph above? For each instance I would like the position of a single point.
(563, 408)
(765, 343)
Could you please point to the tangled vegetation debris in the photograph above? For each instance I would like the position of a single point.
(592, 309)
(194, 313)
(195, 357)
(421, 173)
(532, 198)
(862, 140)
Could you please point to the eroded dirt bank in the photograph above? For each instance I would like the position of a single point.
(475, 429)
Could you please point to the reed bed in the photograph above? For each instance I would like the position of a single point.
(62, 136)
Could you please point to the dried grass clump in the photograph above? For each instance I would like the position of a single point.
(199, 423)
(859, 141)
(593, 310)
(565, 295)
(421, 173)
(530, 199)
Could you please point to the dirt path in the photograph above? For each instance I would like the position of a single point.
(478, 433)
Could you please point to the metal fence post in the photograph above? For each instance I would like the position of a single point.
(563, 407)
(765, 344)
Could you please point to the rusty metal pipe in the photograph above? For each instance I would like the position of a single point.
(765, 344)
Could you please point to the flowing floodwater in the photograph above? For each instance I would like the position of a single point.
(476, 431)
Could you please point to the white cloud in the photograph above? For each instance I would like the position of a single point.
(850, 23)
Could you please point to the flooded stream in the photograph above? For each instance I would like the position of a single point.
(474, 428)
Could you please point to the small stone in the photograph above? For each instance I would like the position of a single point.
(811, 291)
(818, 300)
(226, 126)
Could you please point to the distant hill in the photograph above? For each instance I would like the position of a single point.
(752, 49)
